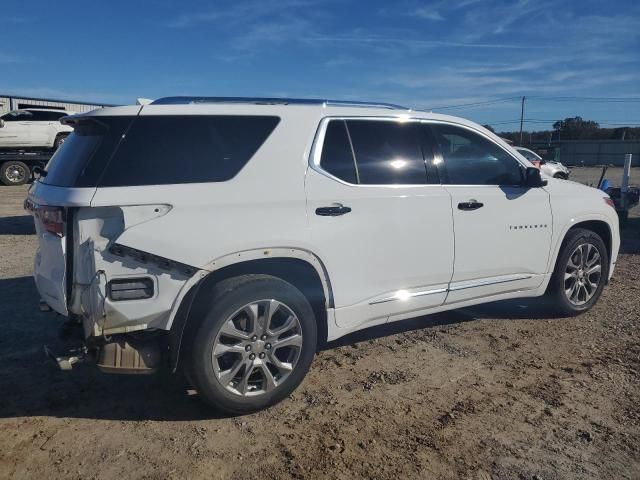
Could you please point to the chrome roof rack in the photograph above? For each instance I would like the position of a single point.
(272, 101)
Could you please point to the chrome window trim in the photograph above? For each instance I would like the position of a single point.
(318, 144)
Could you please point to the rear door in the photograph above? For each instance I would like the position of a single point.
(502, 228)
(40, 128)
(379, 219)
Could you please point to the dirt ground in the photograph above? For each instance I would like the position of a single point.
(504, 391)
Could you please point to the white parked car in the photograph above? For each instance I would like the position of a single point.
(230, 238)
(553, 169)
(33, 128)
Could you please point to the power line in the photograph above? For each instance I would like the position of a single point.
(540, 97)
(587, 99)
(474, 104)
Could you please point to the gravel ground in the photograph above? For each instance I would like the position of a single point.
(500, 391)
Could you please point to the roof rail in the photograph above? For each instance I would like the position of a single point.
(272, 101)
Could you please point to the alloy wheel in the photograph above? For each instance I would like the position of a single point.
(583, 274)
(257, 348)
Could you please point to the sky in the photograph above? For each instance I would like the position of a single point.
(567, 57)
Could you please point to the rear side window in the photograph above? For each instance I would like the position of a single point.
(470, 159)
(388, 152)
(80, 160)
(160, 150)
(337, 157)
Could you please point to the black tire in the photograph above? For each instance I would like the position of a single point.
(556, 290)
(228, 297)
(59, 141)
(14, 172)
(561, 176)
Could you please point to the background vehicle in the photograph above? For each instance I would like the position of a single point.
(551, 168)
(248, 231)
(33, 128)
(27, 139)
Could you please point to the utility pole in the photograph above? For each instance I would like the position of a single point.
(521, 118)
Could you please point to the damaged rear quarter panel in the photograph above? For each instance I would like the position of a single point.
(94, 266)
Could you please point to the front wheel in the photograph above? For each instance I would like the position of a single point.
(255, 344)
(580, 274)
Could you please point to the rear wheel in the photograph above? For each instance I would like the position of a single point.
(255, 344)
(14, 173)
(560, 175)
(580, 273)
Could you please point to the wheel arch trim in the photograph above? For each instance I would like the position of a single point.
(178, 319)
(576, 222)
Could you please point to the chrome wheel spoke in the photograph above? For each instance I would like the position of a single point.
(222, 349)
(288, 324)
(280, 365)
(243, 384)
(593, 269)
(270, 307)
(227, 375)
(292, 341)
(269, 382)
(229, 329)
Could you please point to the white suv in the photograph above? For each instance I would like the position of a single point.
(33, 128)
(231, 237)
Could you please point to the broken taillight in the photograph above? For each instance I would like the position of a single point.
(51, 218)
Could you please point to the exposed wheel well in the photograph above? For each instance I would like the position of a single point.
(297, 272)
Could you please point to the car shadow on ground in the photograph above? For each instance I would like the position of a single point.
(19, 225)
(32, 385)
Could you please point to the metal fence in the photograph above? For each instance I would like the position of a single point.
(589, 152)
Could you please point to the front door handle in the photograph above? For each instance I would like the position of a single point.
(333, 211)
(470, 205)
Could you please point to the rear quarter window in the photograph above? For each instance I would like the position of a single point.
(160, 150)
(81, 159)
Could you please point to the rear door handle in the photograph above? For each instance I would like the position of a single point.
(470, 205)
(333, 211)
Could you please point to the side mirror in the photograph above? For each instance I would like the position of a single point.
(1, 123)
(533, 179)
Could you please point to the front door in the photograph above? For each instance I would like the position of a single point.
(379, 219)
(502, 228)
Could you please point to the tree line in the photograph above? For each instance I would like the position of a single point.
(573, 128)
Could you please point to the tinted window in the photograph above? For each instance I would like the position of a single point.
(53, 116)
(387, 152)
(17, 116)
(81, 159)
(161, 150)
(337, 157)
(38, 116)
(470, 159)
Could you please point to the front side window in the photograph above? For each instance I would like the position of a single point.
(470, 159)
(388, 152)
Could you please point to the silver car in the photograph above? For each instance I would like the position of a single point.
(551, 168)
